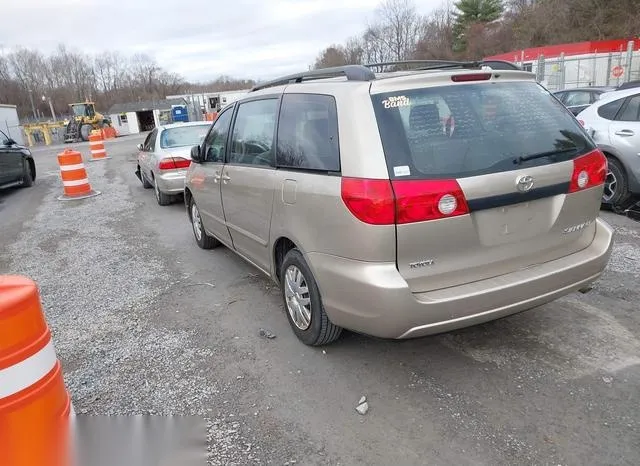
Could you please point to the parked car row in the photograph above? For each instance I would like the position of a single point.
(612, 118)
(397, 204)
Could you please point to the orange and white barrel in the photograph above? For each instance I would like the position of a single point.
(96, 145)
(34, 404)
(74, 176)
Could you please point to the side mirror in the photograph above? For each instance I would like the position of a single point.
(140, 146)
(196, 155)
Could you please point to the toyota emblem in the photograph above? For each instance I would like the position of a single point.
(524, 183)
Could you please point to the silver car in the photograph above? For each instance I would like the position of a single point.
(614, 124)
(164, 157)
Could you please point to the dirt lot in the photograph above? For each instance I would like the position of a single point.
(146, 322)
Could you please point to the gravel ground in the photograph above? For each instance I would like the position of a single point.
(146, 323)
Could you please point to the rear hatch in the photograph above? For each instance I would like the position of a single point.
(490, 175)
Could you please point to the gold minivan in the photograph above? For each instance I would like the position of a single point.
(404, 203)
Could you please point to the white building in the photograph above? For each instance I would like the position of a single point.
(211, 102)
(138, 117)
(10, 124)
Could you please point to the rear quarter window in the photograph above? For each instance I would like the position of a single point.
(308, 133)
(473, 129)
(610, 110)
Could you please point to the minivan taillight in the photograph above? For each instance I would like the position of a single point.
(370, 201)
(589, 170)
(172, 163)
(380, 202)
(422, 200)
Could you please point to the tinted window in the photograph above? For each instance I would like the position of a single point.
(610, 110)
(473, 129)
(253, 133)
(188, 135)
(216, 141)
(308, 133)
(631, 111)
(578, 98)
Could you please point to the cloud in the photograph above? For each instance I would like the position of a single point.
(200, 39)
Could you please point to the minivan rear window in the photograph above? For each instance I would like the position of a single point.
(473, 129)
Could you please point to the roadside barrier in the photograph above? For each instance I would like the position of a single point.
(74, 176)
(96, 144)
(109, 133)
(35, 407)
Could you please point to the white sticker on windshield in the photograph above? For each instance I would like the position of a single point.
(402, 170)
(396, 101)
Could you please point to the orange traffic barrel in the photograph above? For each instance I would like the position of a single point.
(74, 176)
(96, 145)
(35, 407)
(109, 132)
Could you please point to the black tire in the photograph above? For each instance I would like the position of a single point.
(143, 179)
(27, 177)
(204, 241)
(618, 197)
(162, 198)
(320, 331)
(84, 131)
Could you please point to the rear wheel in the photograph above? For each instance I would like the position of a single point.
(616, 187)
(202, 238)
(303, 303)
(162, 198)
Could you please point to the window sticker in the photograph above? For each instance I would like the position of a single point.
(402, 170)
(396, 101)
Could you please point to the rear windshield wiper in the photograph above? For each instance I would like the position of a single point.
(541, 155)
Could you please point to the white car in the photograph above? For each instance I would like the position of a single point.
(165, 155)
(614, 124)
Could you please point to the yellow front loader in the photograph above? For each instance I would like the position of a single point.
(84, 120)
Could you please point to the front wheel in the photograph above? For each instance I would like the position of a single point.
(616, 188)
(202, 238)
(145, 182)
(303, 303)
(27, 177)
(85, 131)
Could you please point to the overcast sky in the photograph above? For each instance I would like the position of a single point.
(200, 39)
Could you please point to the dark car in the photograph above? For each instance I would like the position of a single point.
(628, 85)
(17, 167)
(580, 98)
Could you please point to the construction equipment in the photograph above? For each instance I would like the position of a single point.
(84, 120)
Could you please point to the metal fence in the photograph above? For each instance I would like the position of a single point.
(605, 69)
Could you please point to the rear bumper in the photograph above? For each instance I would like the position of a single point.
(171, 182)
(374, 299)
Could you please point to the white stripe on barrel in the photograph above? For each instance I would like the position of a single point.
(75, 182)
(28, 372)
(68, 168)
(96, 143)
(98, 151)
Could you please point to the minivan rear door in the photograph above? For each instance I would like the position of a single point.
(497, 154)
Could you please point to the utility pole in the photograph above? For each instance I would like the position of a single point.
(33, 107)
(53, 113)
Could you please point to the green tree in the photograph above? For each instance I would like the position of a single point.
(470, 13)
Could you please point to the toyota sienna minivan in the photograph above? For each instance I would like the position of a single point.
(403, 203)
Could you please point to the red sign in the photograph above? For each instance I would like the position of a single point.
(617, 71)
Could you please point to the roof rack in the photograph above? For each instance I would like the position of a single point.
(351, 72)
(423, 65)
